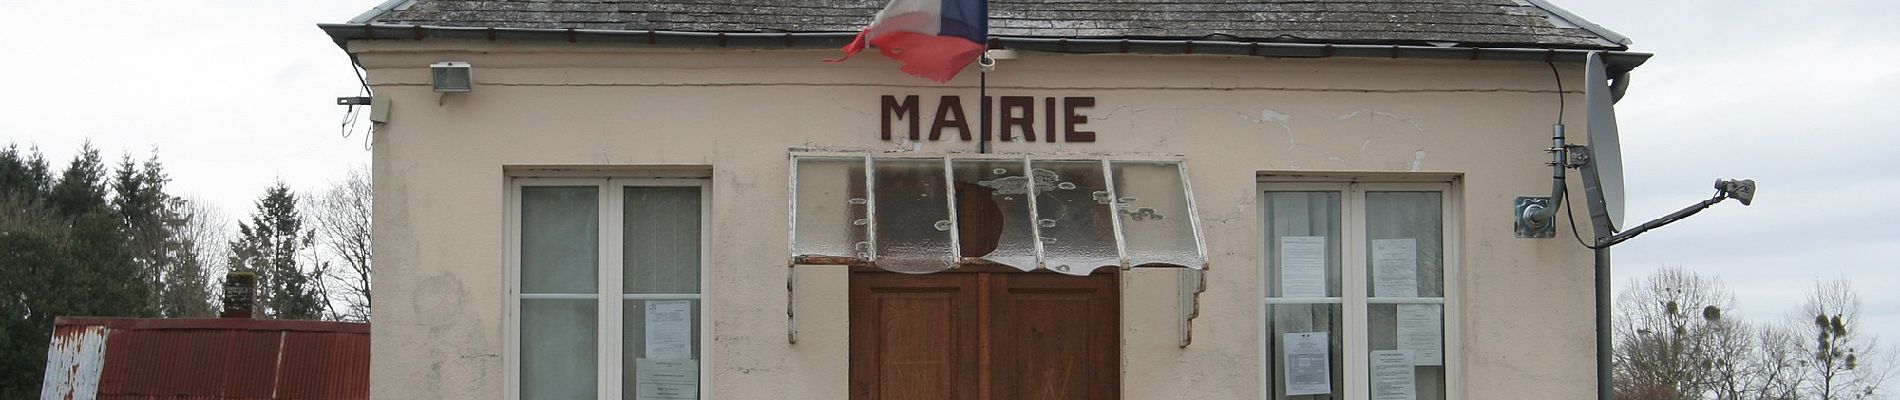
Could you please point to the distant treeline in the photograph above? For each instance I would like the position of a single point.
(1677, 339)
(94, 240)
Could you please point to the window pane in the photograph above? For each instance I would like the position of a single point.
(560, 239)
(913, 216)
(1305, 361)
(1303, 244)
(1412, 336)
(557, 349)
(1153, 207)
(1405, 249)
(993, 212)
(830, 198)
(661, 240)
(1072, 206)
(666, 333)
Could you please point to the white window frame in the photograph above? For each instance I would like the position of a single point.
(610, 280)
(1354, 303)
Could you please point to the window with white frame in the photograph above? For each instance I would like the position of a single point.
(606, 288)
(1355, 285)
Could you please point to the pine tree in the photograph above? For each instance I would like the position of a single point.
(155, 222)
(81, 188)
(63, 252)
(24, 177)
(32, 245)
(28, 252)
(104, 279)
(270, 246)
(187, 291)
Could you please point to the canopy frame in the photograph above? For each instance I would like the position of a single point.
(866, 254)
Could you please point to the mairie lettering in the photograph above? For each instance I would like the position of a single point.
(1018, 117)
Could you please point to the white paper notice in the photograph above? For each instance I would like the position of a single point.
(1302, 266)
(1395, 268)
(667, 380)
(1420, 328)
(1308, 368)
(669, 329)
(1392, 375)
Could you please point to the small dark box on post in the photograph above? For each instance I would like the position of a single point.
(240, 294)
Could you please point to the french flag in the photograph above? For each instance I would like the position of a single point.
(935, 39)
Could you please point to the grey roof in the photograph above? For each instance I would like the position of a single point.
(1464, 23)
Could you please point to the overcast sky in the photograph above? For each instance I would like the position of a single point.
(233, 94)
(1797, 94)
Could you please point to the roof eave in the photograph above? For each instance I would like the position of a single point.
(1618, 60)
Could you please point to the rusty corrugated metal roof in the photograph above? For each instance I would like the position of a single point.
(208, 358)
(73, 361)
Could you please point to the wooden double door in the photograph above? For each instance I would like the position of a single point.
(987, 334)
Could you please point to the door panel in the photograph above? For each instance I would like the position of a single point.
(913, 336)
(1056, 337)
(1046, 336)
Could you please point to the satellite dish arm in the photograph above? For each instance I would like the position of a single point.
(1619, 237)
(1743, 190)
(1593, 195)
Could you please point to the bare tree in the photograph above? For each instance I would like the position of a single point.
(1841, 361)
(1777, 368)
(1672, 341)
(1729, 366)
(208, 228)
(321, 272)
(343, 227)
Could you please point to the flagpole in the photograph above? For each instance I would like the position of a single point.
(983, 66)
(983, 104)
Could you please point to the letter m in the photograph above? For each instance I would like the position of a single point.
(906, 110)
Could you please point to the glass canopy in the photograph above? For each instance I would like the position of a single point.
(920, 214)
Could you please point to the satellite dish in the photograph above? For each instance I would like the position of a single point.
(1606, 154)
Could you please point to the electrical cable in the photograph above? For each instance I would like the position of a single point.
(1560, 91)
(349, 119)
(350, 113)
(357, 67)
(1570, 214)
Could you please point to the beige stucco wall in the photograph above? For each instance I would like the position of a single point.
(440, 182)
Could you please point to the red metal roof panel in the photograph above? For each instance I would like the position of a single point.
(228, 359)
(324, 366)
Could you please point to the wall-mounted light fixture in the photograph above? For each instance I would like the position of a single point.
(451, 76)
